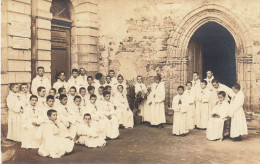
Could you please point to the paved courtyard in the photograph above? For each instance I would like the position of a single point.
(151, 145)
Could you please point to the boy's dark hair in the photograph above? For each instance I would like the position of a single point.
(62, 72)
(120, 76)
(180, 87)
(76, 97)
(49, 112)
(120, 86)
(87, 114)
(62, 96)
(33, 96)
(55, 91)
(196, 73)
(90, 88)
(215, 81)
(11, 85)
(111, 70)
(158, 77)
(237, 86)
(40, 67)
(189, 82)
(107, 87)
(74, 88)
(22, 85)
(82, 88)
(106, 93)
(102, 87)
(93, 95)
(39, 89)
(89, 77)
(74, 70)
(222, 93)
(98, 76)
(50, 97)
(204, 81)
(61, 89)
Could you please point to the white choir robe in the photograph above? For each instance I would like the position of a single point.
(210, 87)
(40, 82)
(114, 88)
(180, 115)
(98, 118)
(112, 124)
(31, 134)
(147, 108)
(157, 106)
(44, 111)
(41, 102)
(68, 125)
(195, 84)
(85, 100)
(216, 125)
(83, 78)
(54, 143)
(25, 99)
(100, 97)
(75, 82)
(124, 114)
(14, 105)
(77, 112)
(202, 107)
(70, 99)
(97, 85)
(113, 81)
(189, 96)
(237, 114)
(214, 94)
(89, 136)
(61, 84)
(140, 87)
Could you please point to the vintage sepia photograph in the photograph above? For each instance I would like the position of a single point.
(130, 81)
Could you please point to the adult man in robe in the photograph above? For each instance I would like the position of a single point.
(40, 81)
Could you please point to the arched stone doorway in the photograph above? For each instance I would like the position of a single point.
(212, 47)
(179, 41)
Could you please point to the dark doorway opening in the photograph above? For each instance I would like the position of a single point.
(212, 47)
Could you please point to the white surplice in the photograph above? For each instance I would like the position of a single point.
(75, 82)
(202, 107)
(124, 113)
(40, 82)
(195, 84)
(237, 114)
(140, 87)
(89, 136)
(54, 144)
(189, 97)
(157, 106)
(61, 84)
(25, 98)
(31, 133)
(216, 125)
(112, 124)
(14, 105)
(180, 115)
(214, 94)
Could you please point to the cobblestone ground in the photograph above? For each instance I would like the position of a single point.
(151, 145)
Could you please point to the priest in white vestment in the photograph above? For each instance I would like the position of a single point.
(40, 81)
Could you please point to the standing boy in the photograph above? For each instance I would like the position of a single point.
(40, 81)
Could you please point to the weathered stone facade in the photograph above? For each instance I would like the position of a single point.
(131, 36)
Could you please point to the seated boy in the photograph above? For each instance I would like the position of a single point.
(41, 97)
(25, 94)
(124, 114)
(180, 113)
(108, 109)
(87, 133)
(50, 101)
(32, 119)
(218, 116)
(54, 144)
(15, 111)
(84, 96)
(71, 94)
(100, 94)
(53, 93)
(76, 110)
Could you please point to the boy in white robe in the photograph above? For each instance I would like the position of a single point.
(217, 119)
(202, 105)
(74, 81)
(113, 78)
(32, 119)
(83, 76)
(217, 87)
(41, 97)
(50, 104)
(90, 81)
(55, 144)
(61, 83)
(140, 92)
(53, 93)
(120, 81)
(157, 103)
(108, 109)
(76, 110)
(98, 116)
(40, 81)
(195, 81)
(25, 94)
(237, 114)
(68, 121)
(91, 90)
(124, 114)
(84, 96)
(100, 97)
(108, 80)
(72, 93)
(180, 113)
(209, 79)
(189, 97)
(87, 133)
(15, 111)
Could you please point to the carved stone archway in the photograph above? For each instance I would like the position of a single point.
(181, 34)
